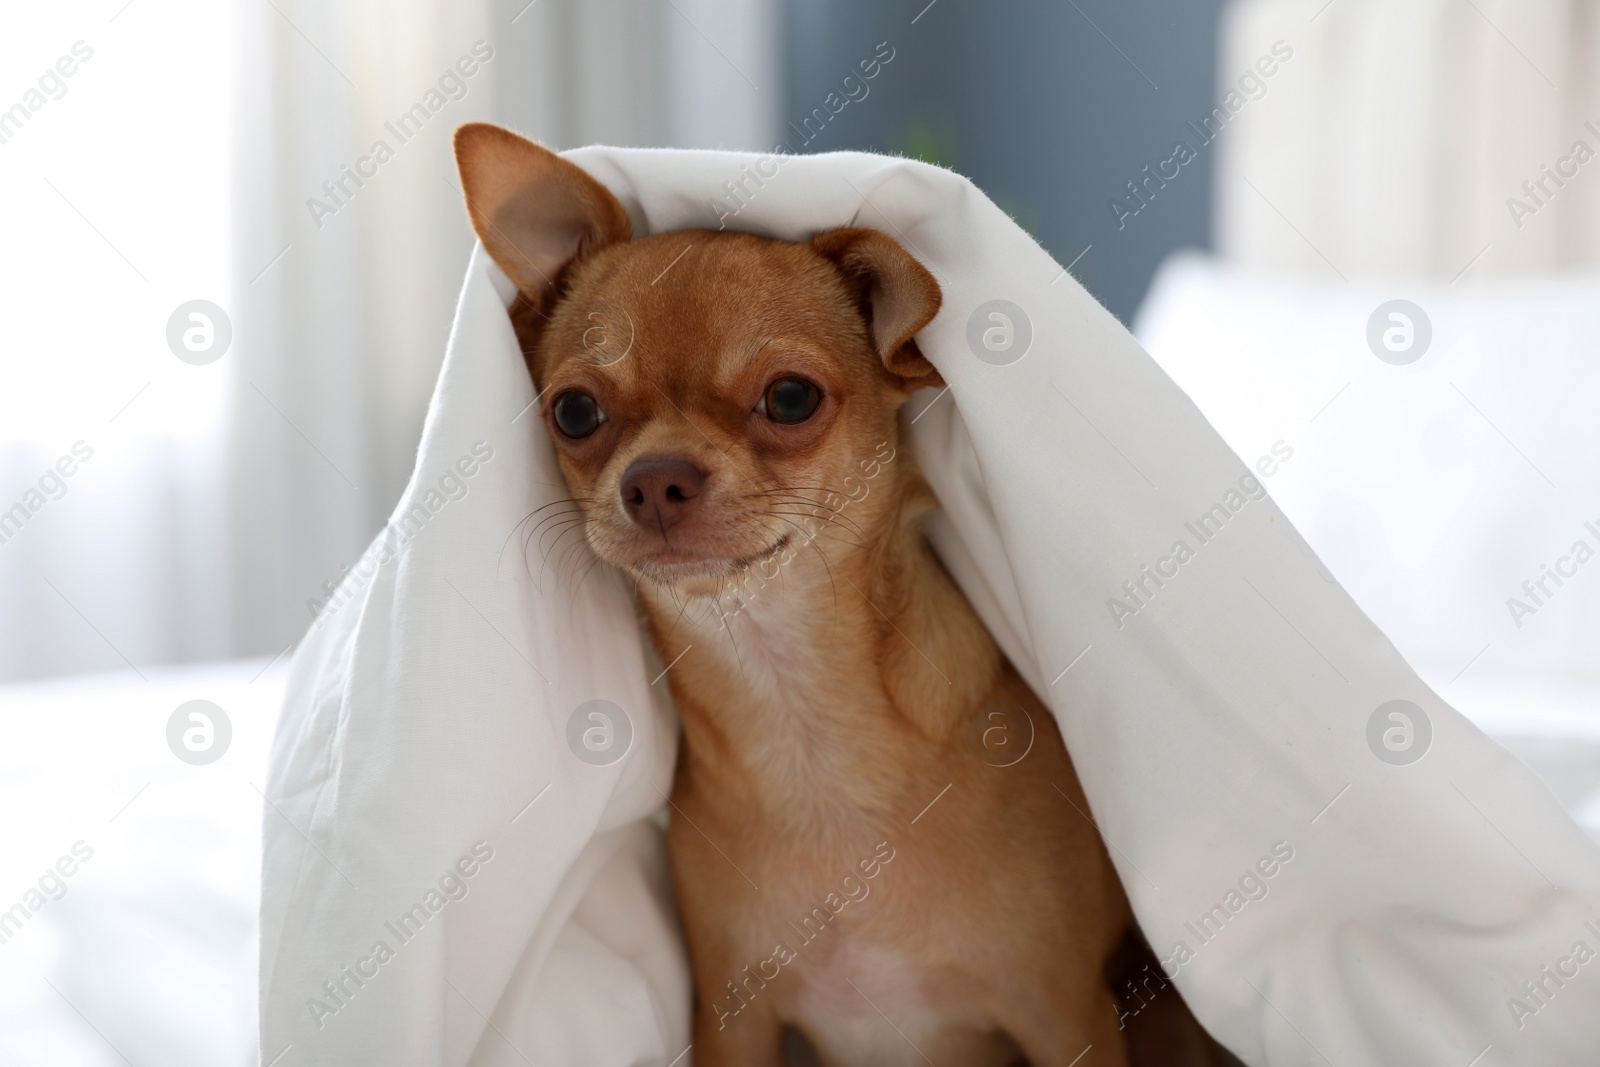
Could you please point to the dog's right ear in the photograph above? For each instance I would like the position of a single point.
(896, 295)
(534, 211)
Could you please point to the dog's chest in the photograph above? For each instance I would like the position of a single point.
(848, 999)
(873, 1005)
(803, 703)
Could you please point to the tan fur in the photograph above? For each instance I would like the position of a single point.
(833, 682)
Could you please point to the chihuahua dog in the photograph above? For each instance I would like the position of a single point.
(853, 857)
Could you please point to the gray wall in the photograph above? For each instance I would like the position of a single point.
(1046, 113)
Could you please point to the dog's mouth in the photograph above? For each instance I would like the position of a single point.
(765, 554)
(675, 566)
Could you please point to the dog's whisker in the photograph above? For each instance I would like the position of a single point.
(561, 558)
(810, 536)
(576, 506)
(567, 554)
(594, 562)
(835, 513)
(833, 519)
(509, 536)
(683, 607)
(833, 585)
(558, 514)
(575, 510)
(536, 533)
(558, 529)
(563, 500)
(576, 547)
(732, 642)
(552, 522)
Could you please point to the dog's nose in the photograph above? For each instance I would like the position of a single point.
(658, 491)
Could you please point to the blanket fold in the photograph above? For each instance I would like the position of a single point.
(1332, 864)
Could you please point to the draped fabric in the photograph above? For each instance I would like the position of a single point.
(1330, 860)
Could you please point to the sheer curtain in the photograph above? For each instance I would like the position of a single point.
(1401, 138)
(348, 282)
(114, 145)
(298, 174)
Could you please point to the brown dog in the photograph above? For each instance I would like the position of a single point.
(857, 854)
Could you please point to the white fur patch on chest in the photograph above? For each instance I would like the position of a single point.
(866, 1005)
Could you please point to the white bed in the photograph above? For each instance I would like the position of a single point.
(154, 942)
(1431, 489)
(149, 956)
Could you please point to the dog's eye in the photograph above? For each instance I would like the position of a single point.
(791, 400)
(577, 414)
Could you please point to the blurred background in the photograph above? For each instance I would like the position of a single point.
(1250, 185)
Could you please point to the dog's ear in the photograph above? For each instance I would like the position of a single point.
(896, 294)
(534, 211)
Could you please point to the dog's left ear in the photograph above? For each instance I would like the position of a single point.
(896, 294)
(534, 211)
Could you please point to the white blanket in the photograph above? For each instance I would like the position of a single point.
(446, 881)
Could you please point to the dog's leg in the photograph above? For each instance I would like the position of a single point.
(1159, 1029)
(1057, 1031)
(751, 1038)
